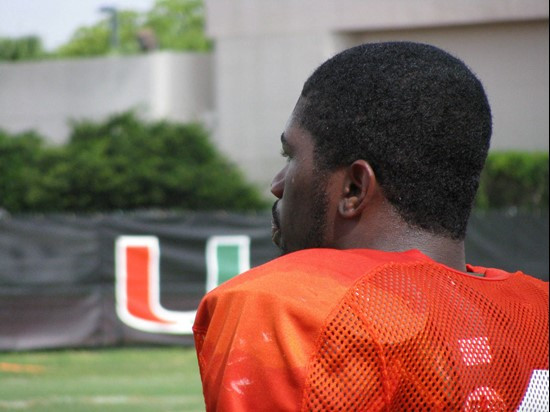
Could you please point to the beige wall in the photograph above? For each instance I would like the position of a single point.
(266, 49)
(258, 81)
(227, 18)
(46, 95)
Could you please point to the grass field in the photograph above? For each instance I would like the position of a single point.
(122, 379)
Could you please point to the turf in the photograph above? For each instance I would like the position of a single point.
(125, 379)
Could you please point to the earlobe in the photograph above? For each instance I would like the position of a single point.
(358, 188)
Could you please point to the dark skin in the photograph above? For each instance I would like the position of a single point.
(358, 215)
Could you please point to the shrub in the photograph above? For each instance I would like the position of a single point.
(125, 163)
(22, 48)
(514, 180)
(122, 164)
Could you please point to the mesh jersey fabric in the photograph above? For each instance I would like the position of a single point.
(363, 330)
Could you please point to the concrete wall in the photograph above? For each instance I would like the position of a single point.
(266, 49)
(228, 18)
(258, 81)
(46, 95)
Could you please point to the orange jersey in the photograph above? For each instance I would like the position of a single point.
(364, 330)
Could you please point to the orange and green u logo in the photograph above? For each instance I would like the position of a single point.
(137, 261)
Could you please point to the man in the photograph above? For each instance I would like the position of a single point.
(372, 306)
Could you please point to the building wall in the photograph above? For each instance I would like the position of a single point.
(258, 80)
(47, 95)
(228, 18)
(266, 49)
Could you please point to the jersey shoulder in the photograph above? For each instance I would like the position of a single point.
(325, 266)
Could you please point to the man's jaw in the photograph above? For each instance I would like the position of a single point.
(276, 235)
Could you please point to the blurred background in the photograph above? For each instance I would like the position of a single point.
(161, 119)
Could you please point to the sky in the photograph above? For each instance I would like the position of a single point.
(56, 20)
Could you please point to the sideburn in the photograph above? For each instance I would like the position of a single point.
(315, 237)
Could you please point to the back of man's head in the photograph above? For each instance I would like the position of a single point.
(418, 115)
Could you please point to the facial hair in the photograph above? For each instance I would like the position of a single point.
(314, 235)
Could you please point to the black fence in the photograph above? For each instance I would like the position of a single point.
(125, 279)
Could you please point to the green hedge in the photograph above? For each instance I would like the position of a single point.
(514, 179)
(125, 163)
(121, 164)
(22, 48)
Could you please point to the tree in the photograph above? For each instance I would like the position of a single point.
(179, 25)
(176, 24)
(95, 40)
(22, 48)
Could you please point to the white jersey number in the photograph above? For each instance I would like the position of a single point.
(536, 397)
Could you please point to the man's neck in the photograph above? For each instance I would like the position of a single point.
(390, 233)
(441, 249)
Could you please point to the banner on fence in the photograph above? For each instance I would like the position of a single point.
(123, 279)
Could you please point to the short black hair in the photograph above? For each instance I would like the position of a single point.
(418, 115)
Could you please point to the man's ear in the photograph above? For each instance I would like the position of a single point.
(358, 189)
